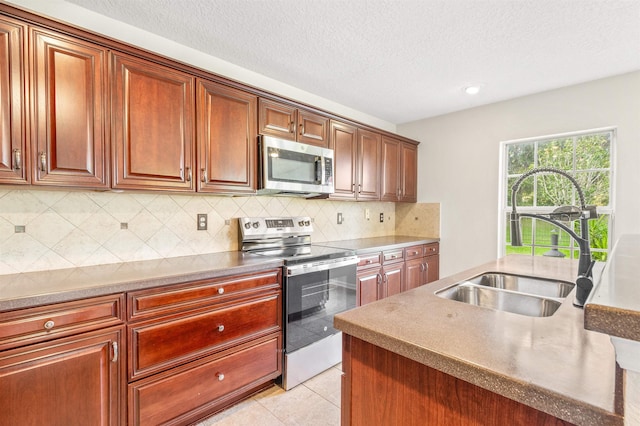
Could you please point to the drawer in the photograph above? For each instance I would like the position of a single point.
(414, 252)
(369, 260)
(431, 249)
(161, 344)
(31, 325)
(180, 397)
(162, 300)
(392, 256)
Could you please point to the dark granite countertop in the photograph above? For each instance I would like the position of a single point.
(613, 306)
(363, 245)
(552, 363)
(61, 285)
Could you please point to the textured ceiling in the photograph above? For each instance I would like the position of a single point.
(403, 60)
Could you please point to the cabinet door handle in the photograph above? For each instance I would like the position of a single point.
(379, 279)
(49, 325)
(189, 174)
(43, 161)
(353, 187)
(301, 127)
(292, 127)
(221, 328)
(359, 188)
(114, 346)
(17, 159)
(203, 175)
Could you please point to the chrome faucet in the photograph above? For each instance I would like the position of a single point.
(584, 282)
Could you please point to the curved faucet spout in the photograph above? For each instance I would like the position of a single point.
(584, 281)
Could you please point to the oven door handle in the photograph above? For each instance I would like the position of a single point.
(306, 268)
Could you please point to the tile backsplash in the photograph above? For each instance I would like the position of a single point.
(42, 229)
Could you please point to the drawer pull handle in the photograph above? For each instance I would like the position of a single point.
(114, 345)
(369, 261)
(221, 290)
(393, 256)
(49, 325)
(221, 328)
(220, 377)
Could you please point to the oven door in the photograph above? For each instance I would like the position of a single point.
(313, 295)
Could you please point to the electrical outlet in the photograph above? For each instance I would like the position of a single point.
(340, 218)
(381, 217)
(366, 214)
(202, 222)
(19, 229)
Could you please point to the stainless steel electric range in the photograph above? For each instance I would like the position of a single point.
(318, 282)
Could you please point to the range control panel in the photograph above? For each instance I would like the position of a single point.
(271, 227)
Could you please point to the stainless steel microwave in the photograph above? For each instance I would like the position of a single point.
(293, 168)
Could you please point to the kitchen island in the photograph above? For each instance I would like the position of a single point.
(416, 358)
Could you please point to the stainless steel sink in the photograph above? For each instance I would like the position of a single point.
(528, 296)
(520, 284)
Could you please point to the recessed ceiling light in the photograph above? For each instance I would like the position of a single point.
(472, 90)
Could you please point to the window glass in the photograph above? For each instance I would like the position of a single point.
(586, 156)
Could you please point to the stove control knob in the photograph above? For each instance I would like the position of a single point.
(301, 223)
(307, 223)
(247, 225)
(256, 224)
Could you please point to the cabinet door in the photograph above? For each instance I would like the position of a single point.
(390, 169)
(13, 135)
(227, 139)
(408, 173)
(152, 126)
(69, 111)
(313, 128)
(369, 162)
(415, 274)
(277, 119)
(433, 268)
(76, 381)
(344, 144)
(393, 277)
(368, 286)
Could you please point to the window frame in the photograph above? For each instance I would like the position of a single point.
(503, 204)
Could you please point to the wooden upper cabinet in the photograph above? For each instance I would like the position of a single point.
(409, 173)
(369, 163)
(13, 133)
(390, 169)
(313, 128)
(344, 142)
(227, 139)
(152, 126)
(399, 171)
(288, 122)
(68, 85)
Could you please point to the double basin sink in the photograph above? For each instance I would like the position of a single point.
(530, 296)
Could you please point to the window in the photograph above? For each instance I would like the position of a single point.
(588, 157)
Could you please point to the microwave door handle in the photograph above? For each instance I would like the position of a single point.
(320, 170)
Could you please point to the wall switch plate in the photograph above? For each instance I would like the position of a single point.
(202, 222)
(381, 217)
(340, 218)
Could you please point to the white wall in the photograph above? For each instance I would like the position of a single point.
(83, 18)
(459, 158)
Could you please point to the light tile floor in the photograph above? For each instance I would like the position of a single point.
(315, 402)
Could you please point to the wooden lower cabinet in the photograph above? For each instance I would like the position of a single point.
(383, 388)
(69, 381)
(200, 346)
(201, 388)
